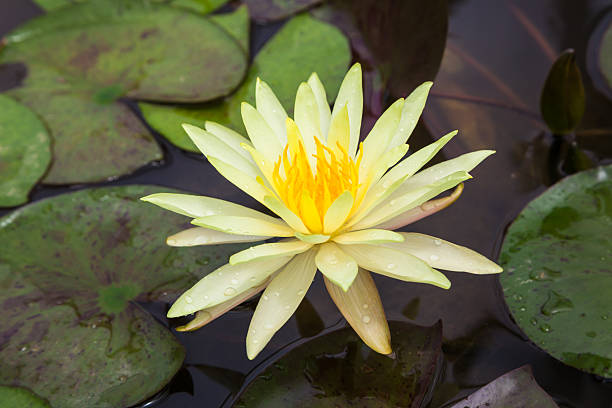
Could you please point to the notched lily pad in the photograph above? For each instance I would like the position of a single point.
(13, 397)
(558, 277)
(71, 269)
(339, 370)
(304, 45)
(271, 10)
(113, 49)
(516, 389)
(25, 152)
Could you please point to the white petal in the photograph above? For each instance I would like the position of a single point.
(233, 139)
(196, 206)
(280, 299)
(368, 236)
(263, 137)
(395, 264)
(242, 180)
(211, 146)
(312, 238)
(424, 210)
(224, 284)
(286, 214)
(323, 106)
(394, 205)
(361, 307)
(377, 141)
(205, 316)
(204, 236)
(351, 96)
(445, 255)
(271, 250)
(465, 162)
(271, 110)
(306, 115)
(270, 227)
(337, 212)
(336, 265)
(413, 107)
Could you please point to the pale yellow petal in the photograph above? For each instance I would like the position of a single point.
(307, 118)
(412, 109)
(351, 96)
(242, 180)
(339, 132)
(269, 227)
(442, 254)
(204, 236)
(336, 265)
(395, 264)
(361, 307)
(312, 238)
(230, 137)
(271, 110)
(338, 212)
(224, 284)
(270, 251)
(262, 136)
(280, 209)
(368, 236)
(323, 106)
(279, 301)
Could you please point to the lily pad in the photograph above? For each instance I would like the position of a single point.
(558, 277)
(271, 10)
(304, 45)
(24, 152)
(113, 49)
(200, 6)
(13, 397)
(72, 268)
(516, 389)
(339, 370)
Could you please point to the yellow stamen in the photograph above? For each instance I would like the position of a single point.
(308, 191)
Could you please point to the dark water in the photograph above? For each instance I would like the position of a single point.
(481, 340)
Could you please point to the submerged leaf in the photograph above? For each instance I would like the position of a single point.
(304, 45)
(25, 152)
(72, 268)
(556, 256)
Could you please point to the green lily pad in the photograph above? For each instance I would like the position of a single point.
(113, 49)
(13, 397)
(200, 6)
(24, 152)
(71, 269)
(339, 370)
(517, 389)
(304, 45)
(558, 279)
(271, 10)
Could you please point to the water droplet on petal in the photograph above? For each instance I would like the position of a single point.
(392, 203)
(300, 292)
(434, 258)
(277, 294)
(229, 291)
(253, 279)
(366, 319)
(287, 307)
(391, 266)
(254, 341)
(205, 297)
(188, 299)
(265, 297)
(365, 306)
(268, 326)
(437, 242)
(234, 281)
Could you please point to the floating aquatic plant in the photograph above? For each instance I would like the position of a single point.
(338, 201)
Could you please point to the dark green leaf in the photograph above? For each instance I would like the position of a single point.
(235, 24)
(16, 397)
(557, 278)
(200, 6)
(304, 45)
(562, 102)
(25, 152)
(71, 269)
(270, 10)
(112, 49)
(339, 370)
(516, 389)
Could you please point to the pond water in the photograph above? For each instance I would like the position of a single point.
(481, 341)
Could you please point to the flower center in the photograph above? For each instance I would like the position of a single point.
(310, 192)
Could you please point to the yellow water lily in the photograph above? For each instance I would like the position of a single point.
(338, 201)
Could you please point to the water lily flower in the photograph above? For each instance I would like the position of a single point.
(337, 202)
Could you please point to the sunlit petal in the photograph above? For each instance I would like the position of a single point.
(286, 214)
(395, 264)
(336, 265)
(445, 255)
(339, 131)
(323, 106)
(351, 96)
(412, 109)
(338, 212)
(263, 137)
(368, 236)
(271, 109)
(242, 180)
(204, 236)
(270, 251)
(307, 117)
(233, 139)
(361, 307)
(279, 301)
(312, 238)
(269, 227)
(224, 284)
